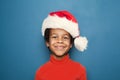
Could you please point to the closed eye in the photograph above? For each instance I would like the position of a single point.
(54, 37)
(66, 37)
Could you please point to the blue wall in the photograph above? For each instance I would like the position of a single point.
(22, 48)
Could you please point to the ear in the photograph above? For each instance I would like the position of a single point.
(47, 44)
(71, 46)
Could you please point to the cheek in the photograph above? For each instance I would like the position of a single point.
(51, 42)
(68, 43)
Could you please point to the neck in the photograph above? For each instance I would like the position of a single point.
(59, 60)
(59, 57)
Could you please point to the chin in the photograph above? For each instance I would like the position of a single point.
(60, 55)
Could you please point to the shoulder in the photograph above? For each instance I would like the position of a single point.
(79, 68)
(78, 65)
(43, 67)
(41, 70)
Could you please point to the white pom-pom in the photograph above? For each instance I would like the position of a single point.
(81, 43)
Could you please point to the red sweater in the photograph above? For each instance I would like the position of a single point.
(64, 69)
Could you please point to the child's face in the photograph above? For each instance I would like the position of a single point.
(59, 42)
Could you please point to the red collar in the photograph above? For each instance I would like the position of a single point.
(64, 60)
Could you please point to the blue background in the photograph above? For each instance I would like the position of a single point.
(22, 47)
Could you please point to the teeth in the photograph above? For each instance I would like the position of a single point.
(60, 47)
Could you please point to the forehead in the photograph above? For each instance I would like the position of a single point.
(59, 31)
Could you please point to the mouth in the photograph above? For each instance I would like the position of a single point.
(59, 47)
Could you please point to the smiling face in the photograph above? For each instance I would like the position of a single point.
(59, 42)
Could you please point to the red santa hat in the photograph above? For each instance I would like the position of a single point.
(65, 20)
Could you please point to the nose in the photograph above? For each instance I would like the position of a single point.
(60, 40)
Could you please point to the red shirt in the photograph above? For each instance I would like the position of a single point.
(65, 69)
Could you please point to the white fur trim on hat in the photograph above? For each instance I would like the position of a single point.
(62, 23)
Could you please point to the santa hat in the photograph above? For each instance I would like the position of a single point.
(65, 20)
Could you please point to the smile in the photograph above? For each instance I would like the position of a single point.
(59, 47)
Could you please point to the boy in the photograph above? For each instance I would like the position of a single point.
(60, 30)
